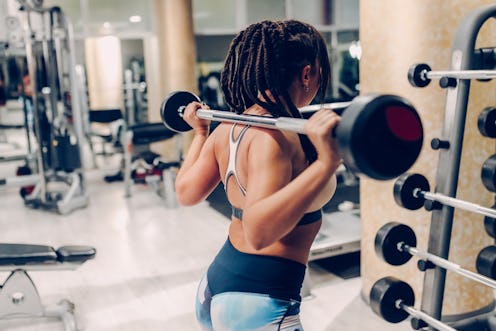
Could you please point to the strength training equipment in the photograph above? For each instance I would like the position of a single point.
(464, 56)
(486, 122)
(486, 264)
(393, 300)
(420, 75)
(411, 191)
(19, 297)
(488, 173)
(395, 244)
(379, 135)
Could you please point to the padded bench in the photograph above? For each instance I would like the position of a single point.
(145, 134)
(19, 297)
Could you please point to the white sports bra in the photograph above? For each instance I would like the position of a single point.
(233, 152)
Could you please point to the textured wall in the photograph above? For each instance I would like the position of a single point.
(395, 34)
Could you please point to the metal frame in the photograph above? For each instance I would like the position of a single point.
(449, 160)
(54, 33)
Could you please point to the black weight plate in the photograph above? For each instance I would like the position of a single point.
(404, 188)
(383, 297)
(490, 225)
(171, 109)
(488, 173)
(487, 122)
(387, 239)
(380, 136)
(415, 75)
(486, 262)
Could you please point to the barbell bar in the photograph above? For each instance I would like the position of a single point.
(393, 300)
(379, 136)
(420, 74)
(395, 244)
(411, 191)
(331, 106)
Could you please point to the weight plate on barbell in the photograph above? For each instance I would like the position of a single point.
(172, 107)
(487, 122)
(387, 239)
(415, 76)
(404, 188)
(486, 262)
(380, 136)
(488, 173)
(383, 297)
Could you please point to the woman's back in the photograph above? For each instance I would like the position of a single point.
(252, 144)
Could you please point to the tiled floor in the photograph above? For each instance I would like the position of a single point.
(149, 260)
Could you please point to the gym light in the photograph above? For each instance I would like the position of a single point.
(135, 19)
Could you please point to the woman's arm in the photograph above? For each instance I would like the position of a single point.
(274, 201)
(199, 172)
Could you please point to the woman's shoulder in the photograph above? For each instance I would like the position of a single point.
(283, 140)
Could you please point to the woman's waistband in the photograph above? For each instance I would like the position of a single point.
(233, 270)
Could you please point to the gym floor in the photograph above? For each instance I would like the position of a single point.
(149, 260)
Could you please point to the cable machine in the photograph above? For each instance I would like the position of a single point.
(50, 89)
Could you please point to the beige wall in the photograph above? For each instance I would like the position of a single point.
(395, 34)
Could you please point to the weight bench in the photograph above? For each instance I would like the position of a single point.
(19, 297)
(148, 167)
(113, 121)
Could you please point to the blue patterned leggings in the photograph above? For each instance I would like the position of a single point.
(243, 311)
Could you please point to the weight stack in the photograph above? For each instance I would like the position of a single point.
(394, 35)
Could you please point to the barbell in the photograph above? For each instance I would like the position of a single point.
(393, 300)
(411, 191)
(420, 75)
(379, 136)
(395, 244)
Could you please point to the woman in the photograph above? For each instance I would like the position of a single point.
(276, 181)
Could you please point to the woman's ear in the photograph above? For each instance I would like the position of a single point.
(305, 75)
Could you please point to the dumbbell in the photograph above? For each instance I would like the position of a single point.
(395, 244)
(420, 75)
(379, 136)
(411, 191)
(393, 300)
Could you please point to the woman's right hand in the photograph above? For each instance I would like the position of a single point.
(199, 125)
(319, 129)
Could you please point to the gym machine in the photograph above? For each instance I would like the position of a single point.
(48, 45)
(391, 298)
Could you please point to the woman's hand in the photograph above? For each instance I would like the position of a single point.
(200, 126)
(319, 129)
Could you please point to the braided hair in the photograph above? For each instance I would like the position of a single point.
(263, 61)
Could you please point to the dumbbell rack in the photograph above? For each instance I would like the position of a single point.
(449, 158)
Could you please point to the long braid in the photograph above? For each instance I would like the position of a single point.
(263, 61)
